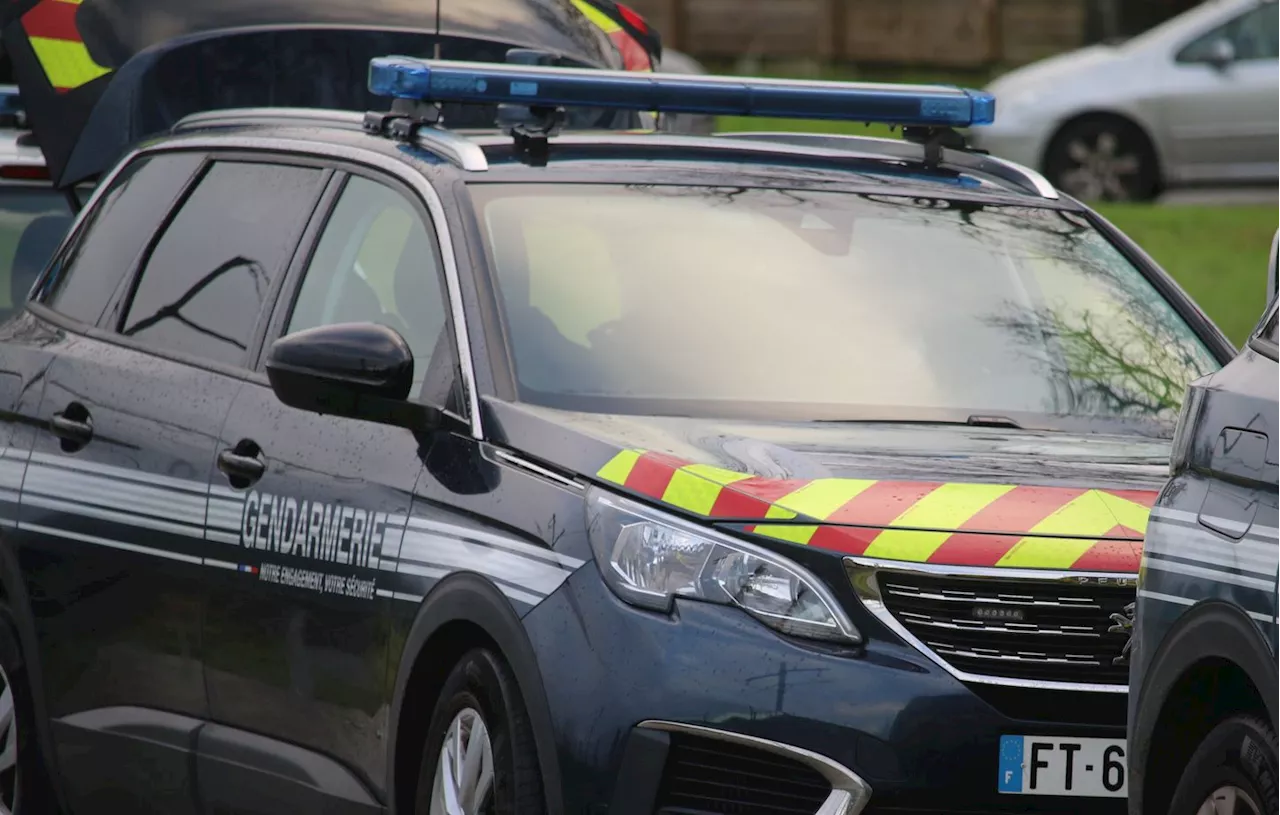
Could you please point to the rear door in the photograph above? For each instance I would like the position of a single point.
(114, 500)
(297, 638)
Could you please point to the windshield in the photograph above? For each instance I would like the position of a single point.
(802, 305)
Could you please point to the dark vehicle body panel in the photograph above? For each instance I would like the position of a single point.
(483, 538)
(1208, 590)
(210, 57)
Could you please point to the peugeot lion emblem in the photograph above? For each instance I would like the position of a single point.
(1123, 625)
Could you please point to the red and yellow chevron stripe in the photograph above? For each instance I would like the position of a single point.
(956, 524)
(51, 30)
(634, 57)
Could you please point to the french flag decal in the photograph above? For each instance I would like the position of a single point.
(244, 567)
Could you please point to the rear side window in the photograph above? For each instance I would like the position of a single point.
(108, 243)
(202, 288)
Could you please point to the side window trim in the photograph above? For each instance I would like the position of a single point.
(291, 285)
(110, 324)
(1263, 344)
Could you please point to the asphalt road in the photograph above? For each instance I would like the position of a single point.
(1221, 197)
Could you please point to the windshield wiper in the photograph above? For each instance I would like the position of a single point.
(992, 421)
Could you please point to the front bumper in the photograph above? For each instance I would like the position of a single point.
(884, 715)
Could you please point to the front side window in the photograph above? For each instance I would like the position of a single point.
(377, 261)
(1254, 35)
(790, 304)
(202, 288)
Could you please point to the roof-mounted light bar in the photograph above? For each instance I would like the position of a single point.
(433, 81)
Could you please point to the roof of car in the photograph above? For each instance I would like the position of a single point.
(765, 158)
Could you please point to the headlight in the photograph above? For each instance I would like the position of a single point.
(649, 558)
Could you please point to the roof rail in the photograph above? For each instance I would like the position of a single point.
(235, 117)
(1022, 177)
(458, 150)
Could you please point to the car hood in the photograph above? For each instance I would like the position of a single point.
(1057, 70)
(945, 494)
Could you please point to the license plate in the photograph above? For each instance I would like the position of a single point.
(1056, 765)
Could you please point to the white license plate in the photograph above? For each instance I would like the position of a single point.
(1059, 765)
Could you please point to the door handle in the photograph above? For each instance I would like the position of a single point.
(242, 464)
(73, 425)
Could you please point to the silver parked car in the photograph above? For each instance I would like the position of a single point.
(1191, 101)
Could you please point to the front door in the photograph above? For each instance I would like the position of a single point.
(297, 635)
(1224, 120)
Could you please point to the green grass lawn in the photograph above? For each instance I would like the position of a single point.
(1218, 254)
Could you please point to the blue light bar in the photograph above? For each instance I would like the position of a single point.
(431, 80)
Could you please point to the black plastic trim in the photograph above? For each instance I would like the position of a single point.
(1210, 629)
(472, 599)
(640, 774)
(243, 772)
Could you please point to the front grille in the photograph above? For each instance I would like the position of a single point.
(1020, 629)
(704, 776)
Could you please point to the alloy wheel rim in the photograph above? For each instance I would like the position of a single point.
(1229, 800)
(464, 772)
(9, 780)
(1101, 170)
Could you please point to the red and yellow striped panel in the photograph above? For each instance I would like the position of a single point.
(634, 57)
(51, 30)
(956, 524)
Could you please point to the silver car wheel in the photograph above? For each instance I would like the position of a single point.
(9, 780)
(464, 773)
(1101, 170)
(1229, 800)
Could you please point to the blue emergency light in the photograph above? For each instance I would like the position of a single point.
(429, 80)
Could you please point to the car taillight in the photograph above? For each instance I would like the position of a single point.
(24, 172)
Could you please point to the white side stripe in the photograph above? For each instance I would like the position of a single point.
(467, 533)
(1209, 574)
(114, 544)
(87, 511)
(90, 489)
(221, 564)
(532, 574)
(1185, 601)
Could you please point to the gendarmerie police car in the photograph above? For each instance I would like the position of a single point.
(1203, 711)
(351, 464)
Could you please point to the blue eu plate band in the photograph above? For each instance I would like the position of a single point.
(495, 83)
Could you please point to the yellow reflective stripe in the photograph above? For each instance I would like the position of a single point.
(1045, 553)
(787, 532)
(818, 499)
(946, 508)
(1085, 517)
(1128, 513)
(696, 487)
(66, 63)
(597, 17)
(619, 468)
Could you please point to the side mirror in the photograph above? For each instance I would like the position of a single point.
(1272, 283)
(1221, 53)
(356, 370)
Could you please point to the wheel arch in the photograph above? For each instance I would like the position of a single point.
(1212, 663)
(1101, 113)
(461, 612)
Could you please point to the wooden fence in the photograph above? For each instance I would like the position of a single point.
(934, 33)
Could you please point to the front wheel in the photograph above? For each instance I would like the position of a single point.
(1103, 159)
(1232, 772)
(479, 758)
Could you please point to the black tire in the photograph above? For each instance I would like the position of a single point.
(30, 779)
(1134, 177)
(1240, 752)
(482, 682)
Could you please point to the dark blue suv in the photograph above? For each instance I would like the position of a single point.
(351, 464)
